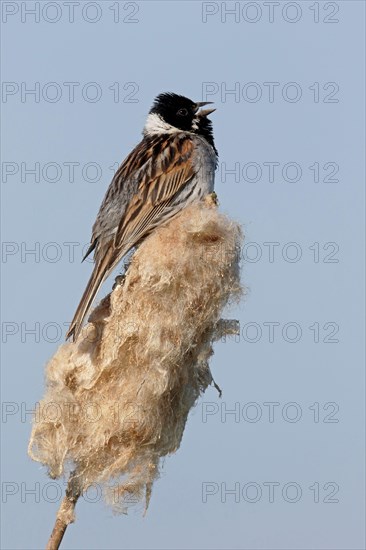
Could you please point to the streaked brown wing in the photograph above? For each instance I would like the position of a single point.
(165, 175)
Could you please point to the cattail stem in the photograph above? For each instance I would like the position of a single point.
(65, 515)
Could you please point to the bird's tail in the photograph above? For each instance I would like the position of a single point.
(100, 271)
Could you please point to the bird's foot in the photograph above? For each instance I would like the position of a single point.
(119, 280)
(211, 199)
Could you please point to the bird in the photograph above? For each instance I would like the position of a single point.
(172, 167)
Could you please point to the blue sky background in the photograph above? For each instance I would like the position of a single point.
(170, 47)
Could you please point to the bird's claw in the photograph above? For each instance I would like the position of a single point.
(211, 199)
(119, 280)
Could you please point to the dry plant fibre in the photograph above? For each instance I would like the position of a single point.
(117, 400)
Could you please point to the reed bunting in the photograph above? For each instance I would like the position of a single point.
(173, 166)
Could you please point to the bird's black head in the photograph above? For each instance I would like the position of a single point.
(172, 111)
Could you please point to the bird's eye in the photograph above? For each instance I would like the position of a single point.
(182, 112)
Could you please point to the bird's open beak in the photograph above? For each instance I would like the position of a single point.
(204, 112)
